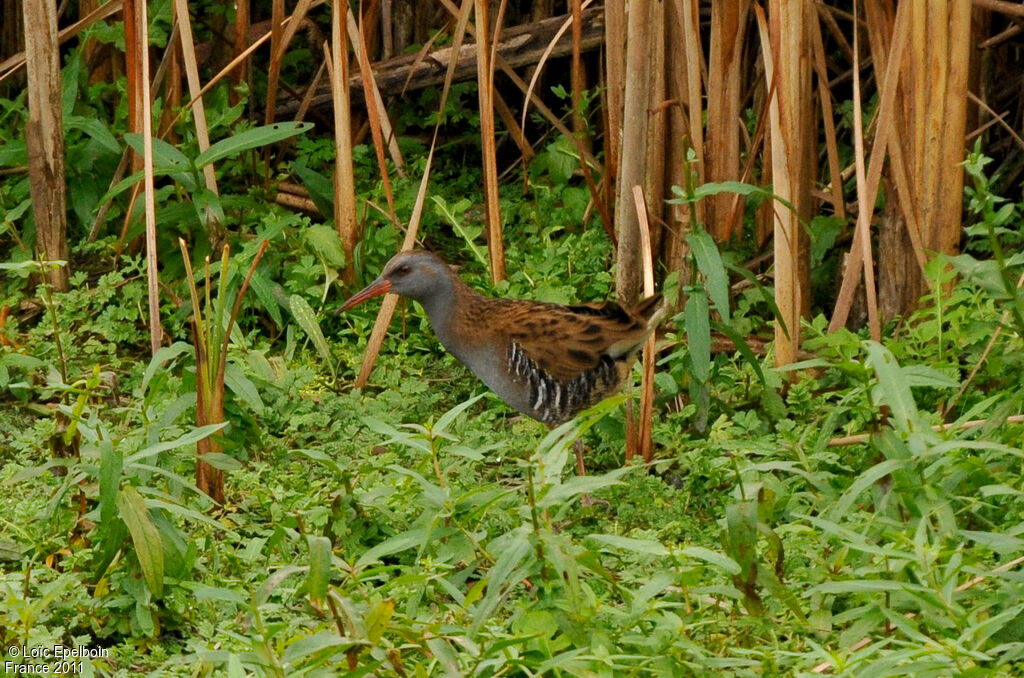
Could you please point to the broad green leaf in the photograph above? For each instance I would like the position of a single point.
(697, 323)
(447, 214)
(162, 356)
(712, 557)
(326, 242)
(767, 579)
(923, 375)
(96, 130)
(400, 542)
(448, 417)
(322, 457)
(111, 464)
(895, 390)
(864, 481)
(164, 154)
(319, 576)
(264, 290)
(320, 188)
(249, 139)
(644, 546)
(709, 262)
(235, 667)
(203, 593)
(741, 345)
(865, 586)
(148, 547)
(580, 485)
(190, 438)
(378, 618)
(308, 645)
(741, 537)
(274, 580)
(306, 318)
(238, 381)
(10, 550)
(219, 460)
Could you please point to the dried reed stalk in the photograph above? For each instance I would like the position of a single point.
(344, 174)
(238, 75)
(44, 136)
(615, 78)
(633, 153)
(274, 67)
(380, 124)
(188, 52)
(375, 111)
(828, 122)
(786, 52)
(485, 91)
(884, 130)
(143, 98)
(729, 20)
(643, 443)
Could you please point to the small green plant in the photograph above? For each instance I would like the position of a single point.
(212, 325)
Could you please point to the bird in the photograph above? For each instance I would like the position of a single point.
(547, 361)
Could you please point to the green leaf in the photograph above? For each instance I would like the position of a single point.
(320, 188)
(326, 242)
(97, 131)
(740, 342)
(923, 375)
(164, 154)
(162, 356)
(236, 379)
(10, 550)
(264, 290)
(306, 318)
(448, 417)
(863, 482)
(308, 645)
(221, 461)
(400, 542)
(865, 586)
(644, 546)
(253, 138)
(111, 464)
(190, 438)
(697, 323)
(203, 593)
(712, 557)
(447, 214)
(709, 262)
(895, 390)
(378, 618)
(148, 547)
(319, 576)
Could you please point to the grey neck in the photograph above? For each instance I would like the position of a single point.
(440, 308)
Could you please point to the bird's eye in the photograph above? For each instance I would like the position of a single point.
(403, 270)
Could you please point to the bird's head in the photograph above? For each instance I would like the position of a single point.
(416, 274)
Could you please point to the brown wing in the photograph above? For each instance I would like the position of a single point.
(565, 341)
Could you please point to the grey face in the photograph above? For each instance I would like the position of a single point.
(417, 275)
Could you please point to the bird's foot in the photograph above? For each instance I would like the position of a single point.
(587, 500)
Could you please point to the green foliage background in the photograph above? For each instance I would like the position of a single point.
(417, 527)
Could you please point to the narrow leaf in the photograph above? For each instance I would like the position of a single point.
(148, 546)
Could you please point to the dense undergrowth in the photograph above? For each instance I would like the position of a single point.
(418, 528)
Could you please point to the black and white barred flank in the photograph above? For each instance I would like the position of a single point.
(554, 402)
